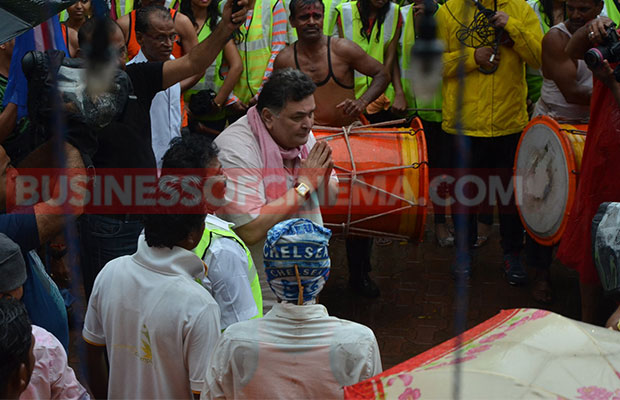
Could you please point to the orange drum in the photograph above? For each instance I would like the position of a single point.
(383, 175)
(546, 172)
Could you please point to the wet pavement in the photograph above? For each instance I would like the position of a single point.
(416, 309)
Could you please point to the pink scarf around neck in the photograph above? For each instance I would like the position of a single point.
(273, 156)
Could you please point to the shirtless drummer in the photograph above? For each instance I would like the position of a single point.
(331, 63)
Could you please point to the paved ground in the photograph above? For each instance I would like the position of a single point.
(416, 308)
(417, 305)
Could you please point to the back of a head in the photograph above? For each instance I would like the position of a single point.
(284, 85)
(189, 151)
(184, 171)
(12, 266)
(15, 343)
(144, 15)
(296, 260)
(91, 26)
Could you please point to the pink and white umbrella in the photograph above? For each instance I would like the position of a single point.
(519, 353)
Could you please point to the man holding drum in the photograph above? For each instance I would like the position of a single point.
(565, 97)
(276, 169)
(331, 62)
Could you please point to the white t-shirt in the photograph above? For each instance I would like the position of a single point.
(165, 115)
(159, 324)
(241, 157)
(227, 279)
(293, 352)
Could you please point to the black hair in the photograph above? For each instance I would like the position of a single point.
(15, 340)
(213, 13)
(295, 4)
(165, 228)
(364, 7)
(143, 16)
(91, 25)
(168, 229)
(284, 85)
(190, 151)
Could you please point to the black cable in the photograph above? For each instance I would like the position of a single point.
(480, 33)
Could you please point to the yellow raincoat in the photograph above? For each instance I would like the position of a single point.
(495, 104)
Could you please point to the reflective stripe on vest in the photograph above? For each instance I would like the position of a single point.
(123, 7)
(405, 43)
(329, 20)
(255, 49)
(352, 23)
(212, 79)
(609, 8)
(204, 244)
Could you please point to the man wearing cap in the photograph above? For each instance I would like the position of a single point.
(275, 167)
(297, 350)
(51, 374)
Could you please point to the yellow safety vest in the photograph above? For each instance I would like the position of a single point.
(351, 25)
(406, 41)
(612, 11)
(204, 244)
(329, 20)
(123, 7)
(254, 49)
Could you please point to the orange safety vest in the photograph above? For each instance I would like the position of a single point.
(132, 44)
(133, 47)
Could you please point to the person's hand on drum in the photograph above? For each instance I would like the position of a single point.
(353, 107)
(486, 58)
(317, 166)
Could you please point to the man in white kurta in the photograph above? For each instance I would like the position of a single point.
(297, 350)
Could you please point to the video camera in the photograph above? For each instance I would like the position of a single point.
(608, 50)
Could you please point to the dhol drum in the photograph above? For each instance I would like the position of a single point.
(546, 172)
(383, 173)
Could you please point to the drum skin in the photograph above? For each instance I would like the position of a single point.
(546, 172)
(391, 165)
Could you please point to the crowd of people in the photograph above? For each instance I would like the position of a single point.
(218, 298)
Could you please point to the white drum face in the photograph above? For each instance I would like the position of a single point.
(542, 180)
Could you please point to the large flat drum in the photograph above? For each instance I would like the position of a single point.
(546, 171)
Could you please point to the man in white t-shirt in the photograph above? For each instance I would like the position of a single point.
(231, 278)
(275, 167)
(156, 35)
(150, 312)
(297, 350)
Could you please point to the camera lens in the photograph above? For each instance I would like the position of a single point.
(593, 58)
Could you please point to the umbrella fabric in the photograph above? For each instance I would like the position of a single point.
(18, 16)
(520, 353)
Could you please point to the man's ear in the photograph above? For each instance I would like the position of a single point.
(267, 116)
